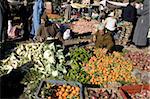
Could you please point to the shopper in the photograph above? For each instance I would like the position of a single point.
(110, 22)
(129, 19)
(4, 12)
(67, 13)
(142, 26)
(25, 13)
(37, 12)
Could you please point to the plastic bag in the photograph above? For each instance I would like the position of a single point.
(66, 34)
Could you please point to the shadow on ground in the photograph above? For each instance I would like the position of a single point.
(11, 88)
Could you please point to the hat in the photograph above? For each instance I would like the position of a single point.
(100, 26)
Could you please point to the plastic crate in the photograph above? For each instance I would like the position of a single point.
(57, 82)
(133, 89)
(116, 90)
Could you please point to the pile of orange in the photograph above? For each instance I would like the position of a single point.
(104, 68)
(67, 92)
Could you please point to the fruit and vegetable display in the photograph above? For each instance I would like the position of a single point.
(74, 68)
(84, 26)
(140, 60)
(76, 72)
(59, 91)
(43, 55)
(105, 68)
(48, 62)
(95, 67)
(103, 93)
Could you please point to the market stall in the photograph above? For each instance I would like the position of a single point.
(73, 70)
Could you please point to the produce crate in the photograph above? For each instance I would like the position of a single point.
(133, 89)
(103, 93)
(57, 83)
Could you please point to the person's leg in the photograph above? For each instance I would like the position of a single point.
(1, 24)
(90, 12)
(148, 41)
(1, 35)
(32, 31)
(129, 27)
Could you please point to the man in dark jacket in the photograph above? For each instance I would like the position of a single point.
(3, 24)
(129, 20)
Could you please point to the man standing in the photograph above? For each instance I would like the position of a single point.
(37, 12)
(129, 19)
(67, 11)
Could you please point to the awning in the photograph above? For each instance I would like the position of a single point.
(77, 5)
(117, 3)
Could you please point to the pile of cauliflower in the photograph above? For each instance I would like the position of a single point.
(48, 58)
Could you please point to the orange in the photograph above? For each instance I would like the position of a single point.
(73, 92)
(60, 93)
(62, 89)
(68, 87)
(77, 89)
(49, 97)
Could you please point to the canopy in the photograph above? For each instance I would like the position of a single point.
(77, 5)
(117, 3)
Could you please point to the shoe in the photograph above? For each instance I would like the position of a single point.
(31, 36)
(132, 46)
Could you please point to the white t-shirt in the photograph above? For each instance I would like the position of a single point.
(110, 23)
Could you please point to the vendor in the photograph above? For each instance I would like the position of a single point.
(67, 15)
(48, 29)
(102, 39)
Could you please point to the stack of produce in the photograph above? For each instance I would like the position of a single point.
(50, 91)
(106, 68)
(76, 72)
(43, 55)
(48, 63)
(84, 26)
(140, 60)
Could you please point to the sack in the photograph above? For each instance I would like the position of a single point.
(14, 32)
(66, 34)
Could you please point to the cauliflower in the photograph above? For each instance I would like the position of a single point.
(47, 54)
(54, 73)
